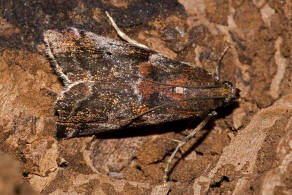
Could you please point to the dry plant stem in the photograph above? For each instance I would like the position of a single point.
(123, 35)
(185, 140)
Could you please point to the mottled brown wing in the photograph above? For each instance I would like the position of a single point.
(111, 85)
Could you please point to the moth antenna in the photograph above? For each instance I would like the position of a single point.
(123, 35)
(185, 140)
(217, 72)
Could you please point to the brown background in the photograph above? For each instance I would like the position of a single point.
(246, 149)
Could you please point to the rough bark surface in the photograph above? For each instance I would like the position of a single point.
(247, 149)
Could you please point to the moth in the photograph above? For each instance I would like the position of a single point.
(112, 85)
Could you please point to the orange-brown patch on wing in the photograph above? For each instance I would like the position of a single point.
(139, 109)
(147, 88)
(70, 35)
(89, 46)
(181, 81)
(145, 69)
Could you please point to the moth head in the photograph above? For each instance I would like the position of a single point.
(231, 92)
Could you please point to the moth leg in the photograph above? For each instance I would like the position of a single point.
(175, 140)
(123, 35)
(217, 72)
(185, 140)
